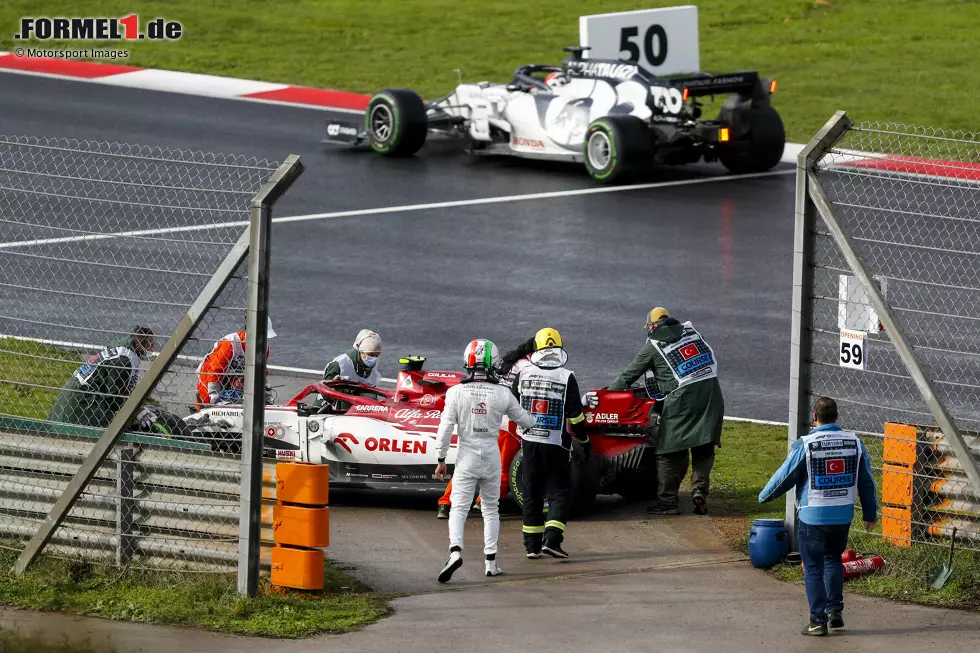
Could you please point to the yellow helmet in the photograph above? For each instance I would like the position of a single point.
(547, 337)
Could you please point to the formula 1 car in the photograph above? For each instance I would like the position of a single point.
(380, 439)
(611, 115)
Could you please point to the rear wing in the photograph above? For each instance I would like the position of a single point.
(747, 84)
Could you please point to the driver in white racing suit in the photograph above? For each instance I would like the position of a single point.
(475, 408)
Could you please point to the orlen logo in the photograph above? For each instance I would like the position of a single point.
(342, 439)
(480, 409)
(97, 29)
(395, 446)
(520, 141)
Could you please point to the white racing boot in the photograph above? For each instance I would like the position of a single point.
(493, 569)
(455, 562)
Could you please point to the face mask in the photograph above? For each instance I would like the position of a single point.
(370, 361)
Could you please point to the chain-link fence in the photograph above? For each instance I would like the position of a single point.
(110, 253)
(896, 207)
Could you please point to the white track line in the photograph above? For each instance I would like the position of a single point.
(481, 201)
(298, 370)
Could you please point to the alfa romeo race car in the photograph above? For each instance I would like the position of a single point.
(380, 439)
(613, 116)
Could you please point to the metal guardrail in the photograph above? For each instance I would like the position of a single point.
(153, 502)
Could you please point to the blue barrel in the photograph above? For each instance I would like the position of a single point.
(768, 542)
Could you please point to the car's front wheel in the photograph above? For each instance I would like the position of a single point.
(396, 123)
(616, 147)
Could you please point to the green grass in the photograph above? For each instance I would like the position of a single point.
(749, 455)
(190, 599)
(28, 373)
(894, 60)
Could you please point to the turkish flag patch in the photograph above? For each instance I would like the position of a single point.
(539, 406)
(834, 465)
(689, 351)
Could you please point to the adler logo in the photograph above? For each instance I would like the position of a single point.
(520, 141)
(602, 418)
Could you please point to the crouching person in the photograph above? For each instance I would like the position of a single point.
(474, 408)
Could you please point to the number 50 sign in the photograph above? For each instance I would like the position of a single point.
(664, 41)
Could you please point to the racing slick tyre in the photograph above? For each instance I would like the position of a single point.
(616, 147)
(639, 484)
(516, 475)
(766, 136)
(585, 487)
(585, 484)
(396, 123)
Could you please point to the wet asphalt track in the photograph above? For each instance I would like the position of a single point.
(718, 253)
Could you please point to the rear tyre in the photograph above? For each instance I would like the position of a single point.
(586, 479)
(396, 123)
(616, 147)
(516, 476)
(585, 484)
(766, 136)
(639, 484)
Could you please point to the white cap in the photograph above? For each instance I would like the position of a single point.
(367, 341)
(270, 333)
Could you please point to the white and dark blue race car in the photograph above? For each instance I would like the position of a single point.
(612, 115)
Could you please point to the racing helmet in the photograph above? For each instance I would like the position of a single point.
(556, 79)
(481, 354)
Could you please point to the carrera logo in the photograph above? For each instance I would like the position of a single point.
(602, 418)
(540, 406)
(689, 351)
(834, 466)
(395, 446)
(480, 409)
(370, 409)
(520, 141)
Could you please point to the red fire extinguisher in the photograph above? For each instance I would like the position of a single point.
(858, 564)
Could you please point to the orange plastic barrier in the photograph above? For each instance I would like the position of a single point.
(300, 525)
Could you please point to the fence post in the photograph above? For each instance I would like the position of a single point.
(253, 420)
(801, 335)
(905, 351)
(125, 484)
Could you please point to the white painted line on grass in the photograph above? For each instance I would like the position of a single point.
(480, 201)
